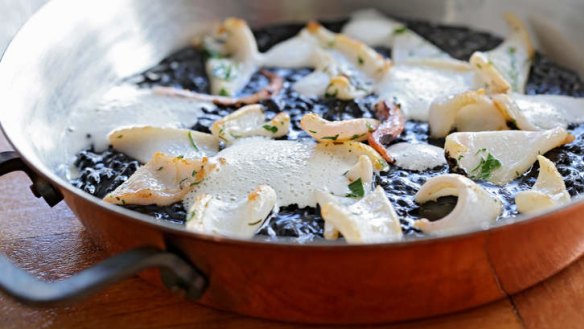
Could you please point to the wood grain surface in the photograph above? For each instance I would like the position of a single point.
(52, 244)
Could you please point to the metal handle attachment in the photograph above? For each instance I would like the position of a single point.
(177, 274)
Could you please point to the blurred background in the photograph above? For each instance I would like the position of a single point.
(13, 13)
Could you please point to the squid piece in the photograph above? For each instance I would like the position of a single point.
(548, 191)
(375, 29)
(467, 112)
(366, 59)
(162, 181)
(239, 220)
(372, 27)
(273, 88)
(541, 112)
(344, 68)
(418, 83)
(369, 220)
(234, 57)
(416, 157)
(408, 46)
(506, 68)
(501, 156)
(360, 177)
(475, 208)
(250, 121)
(362, 170)
(392, 125)
(337, 131)
(142, 142)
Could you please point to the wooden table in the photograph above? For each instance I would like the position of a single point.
(52, 244)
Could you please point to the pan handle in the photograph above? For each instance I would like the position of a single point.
(177, 274)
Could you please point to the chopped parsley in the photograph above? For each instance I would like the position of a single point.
(193, 144)
(224, 70)
(332, 138)
(400, 30)
(357, 189)
(223, 92)
(159, 169)
(211, 53)
(360, 60)
(312, 131)
(514, 70)
(191, 215)
(180, 157)
(194, 173)
(270, 128)
(486, 166)
(369, 127)
(356, 136)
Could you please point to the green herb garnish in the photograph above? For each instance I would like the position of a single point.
(270, 128)
(312, 131)
(514, 70)
(356, 188)
(486, 166)
(193, 142)
(360, 60)
(223, 92)
(180, 157)
(159, 169)
(356, 136)
(400, 30)
(369, 127)
(332, 138)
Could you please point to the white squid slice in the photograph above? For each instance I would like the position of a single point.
(548, 191)
(416, 157)
(417, 84)
(408, 45)
(141, 142)
(372, 27)
(541, 112)
(162, 181)
(468, 111)
(375, 29)
(236, 57)
(475, 206)
(362, 170)
(371, 219)
(240, 220)
(250, 121)
(509, 62)
(344, 68)
(337, 131)
(501, 156)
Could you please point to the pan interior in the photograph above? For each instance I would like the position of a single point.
(59, 67)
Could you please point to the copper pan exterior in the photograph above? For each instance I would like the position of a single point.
(60, 61)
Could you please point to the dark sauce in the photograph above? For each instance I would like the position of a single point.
(102, 172)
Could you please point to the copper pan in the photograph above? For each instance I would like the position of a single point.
(70, 52)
